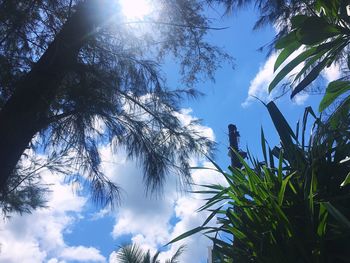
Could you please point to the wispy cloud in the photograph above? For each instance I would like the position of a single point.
(258, 87)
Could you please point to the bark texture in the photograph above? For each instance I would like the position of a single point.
(25, 113)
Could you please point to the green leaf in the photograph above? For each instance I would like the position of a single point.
(279, 171)
(297, 60)
(346, 181)
(210, 217)
(321, 228)
(329, 8)
(310, 62)
(284, 130)
(263, 145)
(298, 20)
(312, 191)
(286, 52)
(290, 66)
(283, 188)
(337, 215)
(187, 234)
(315, 29)
(340, 113)
(286, 40)
(314, 73)
(333, 91)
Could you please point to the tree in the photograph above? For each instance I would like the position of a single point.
(67, 65)
(134, 254)
(271, 12)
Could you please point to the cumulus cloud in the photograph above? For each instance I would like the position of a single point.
(39, 237)
(152, 221)
(148, 220)
(83, 254)
(258, 87)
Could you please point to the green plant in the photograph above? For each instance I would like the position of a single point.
(134, 254)
(323, 34)
(75, 76)
(291, 207)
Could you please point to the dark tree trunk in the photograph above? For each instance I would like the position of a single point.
(25, 113)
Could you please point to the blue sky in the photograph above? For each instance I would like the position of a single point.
(73, 230)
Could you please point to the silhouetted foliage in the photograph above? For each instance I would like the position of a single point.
(292, 206)
(134, 254)
(75, 75)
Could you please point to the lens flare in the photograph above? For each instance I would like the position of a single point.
(135, 9)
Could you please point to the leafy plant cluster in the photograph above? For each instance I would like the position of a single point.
(132, 253)
(291, 207)
(322, 35)
(67, 65)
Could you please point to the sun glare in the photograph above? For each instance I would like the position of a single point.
(135, 9)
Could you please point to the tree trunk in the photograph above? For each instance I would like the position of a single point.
(25, 112)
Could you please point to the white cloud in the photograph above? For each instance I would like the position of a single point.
(148, 219)
(300, 98)
(83, 254)
(38, 237)
(186, 211)
(332, 73)
(258, 87)
(185, 118)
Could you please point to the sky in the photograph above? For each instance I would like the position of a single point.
(73, 230)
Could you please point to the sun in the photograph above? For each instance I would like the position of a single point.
(135, 9)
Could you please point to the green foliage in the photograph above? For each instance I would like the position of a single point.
(134, 254)
(333, 91)
(113, 79)
(296, 211)
(324, 35)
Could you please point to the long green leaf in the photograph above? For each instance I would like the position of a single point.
(337, 215)
(333, 91)
(307, 34)
(210, 217)
(286, 40)
(263, 145)
(284, 130)
(283, 188)
(187, 234)
(296, 61)
(313, 74)
(346, 181)
(286, 52)
(323, 214)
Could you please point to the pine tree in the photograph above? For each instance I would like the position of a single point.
(67, 65)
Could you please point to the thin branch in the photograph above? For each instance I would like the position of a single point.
(174, 24)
